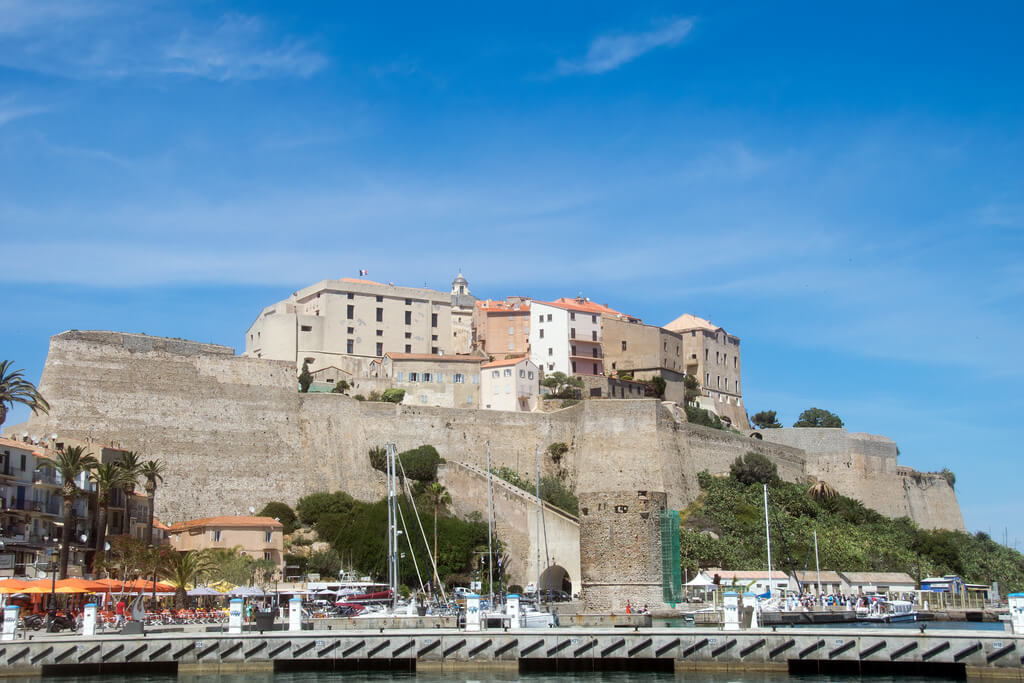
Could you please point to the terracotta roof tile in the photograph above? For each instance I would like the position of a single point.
(507, 361)
(226, 521)
(454, 358)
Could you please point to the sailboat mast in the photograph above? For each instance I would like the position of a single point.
(536, 456)
(490, 532)
(768, 540)
(817, 566)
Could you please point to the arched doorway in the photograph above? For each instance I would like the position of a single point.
(556, 578)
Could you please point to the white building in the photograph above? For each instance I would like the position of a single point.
(510, 384)
(565, 336)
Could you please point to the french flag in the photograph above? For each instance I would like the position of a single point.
(362, 273)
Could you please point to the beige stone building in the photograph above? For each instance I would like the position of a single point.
(644, 351)
(261, 538)
(502, 328)
(341, 323)
(510, 384)
(713, 356)
(432, 380)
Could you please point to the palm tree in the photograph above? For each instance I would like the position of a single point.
(152, 471)
(182, 569)
(439, 497)
(70, 463)
(131, 463)
(822, 491)
(107, 477)
(14, 388)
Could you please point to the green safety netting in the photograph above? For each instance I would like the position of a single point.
(671, 571)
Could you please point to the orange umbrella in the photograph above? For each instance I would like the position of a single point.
(109, 584)
(84, 585)
(143, 586)
(8, 586)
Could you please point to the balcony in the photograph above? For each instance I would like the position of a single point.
(44, 478)
(588, 340)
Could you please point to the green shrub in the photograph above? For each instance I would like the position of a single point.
(420, 464)
(282, 513)
(552, 489)
(818, 417)
(359, 397)
(340, 387)
(700, 416)
(393, 395)
(374, 396)
(753, 468)
(655, 386)
(305, 378)
(948, 475)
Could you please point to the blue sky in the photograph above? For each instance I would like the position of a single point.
(842, 187)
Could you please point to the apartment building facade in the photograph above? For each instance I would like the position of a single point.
(260, 538)
(644, 352)
(511, 384)
(712, 355)
(342, 323)
(448, 381)
(502, 328)
(565, 336)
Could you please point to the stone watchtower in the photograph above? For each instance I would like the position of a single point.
(620, 549)
(463, 304)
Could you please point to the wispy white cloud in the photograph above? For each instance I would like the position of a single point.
(10, 110)
(609, 52)
(110, 41)
(236, 48)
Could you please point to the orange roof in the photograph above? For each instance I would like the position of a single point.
(157, 524)
(361, 282)
(11, 443)
(461, 358)
(688, 321)
(507, 361)
(489, 306)
(584, 305)
(228, 521)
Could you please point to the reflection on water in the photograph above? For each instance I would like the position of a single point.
(482, 677)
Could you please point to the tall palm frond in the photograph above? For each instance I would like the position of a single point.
(152, 471)
(183, 569)
(822, 491)
(14, 388)
(71, 462)
(106, 477)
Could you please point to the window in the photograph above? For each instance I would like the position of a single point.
(216, 535)
(469, 399)
(399, 377)
(351, 295)
(508, 388)
(307, 328)
(495, 373)
(707, 353)
(522, 373)
(572, 316)
(380, 349)
(268, 536)
(408, 302)
(268, 555)
(423, 398)
(476, 379)
(707, 378)
(439, 377)
(573, 349)
(693, 333)
(433, 337)
(508, 372)
(595, 368)
(737, 387)
(351, 312)
(574, 367)
(735, 362)
(529, 375)
(718, 381)
(380, 298)
(408, 348)
(541, 332)
(459, 378)
(593, 318)
(551, 366)
(540, 318)
(727, 384)
(408, 335)
(551, 351)
(433, 350)
(408, 317)
(414, 377)
(549, 317)
(433, 319)
(594, 352)
(572, 332)
(511, 329)
(425, 377)
(350, 330)
(350, 346)
(380, 315)
(623, 344)
(511, 346)
(593, 335)
(380, 333)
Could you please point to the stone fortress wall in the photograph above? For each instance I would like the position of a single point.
(235, 432)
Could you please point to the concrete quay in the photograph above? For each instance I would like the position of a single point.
(819, 650)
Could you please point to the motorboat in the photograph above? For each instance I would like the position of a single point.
(888, 611)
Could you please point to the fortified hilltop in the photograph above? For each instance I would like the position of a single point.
(235, 432)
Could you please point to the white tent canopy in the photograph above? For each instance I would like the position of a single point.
(700, 581)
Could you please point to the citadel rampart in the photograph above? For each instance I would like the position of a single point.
(235, 432)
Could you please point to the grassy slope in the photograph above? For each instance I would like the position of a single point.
(850, 537)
